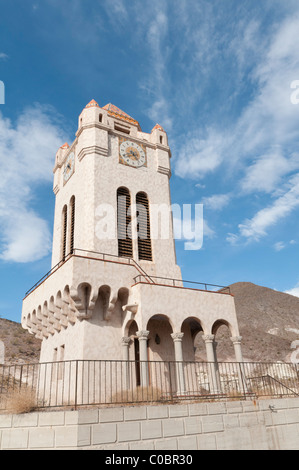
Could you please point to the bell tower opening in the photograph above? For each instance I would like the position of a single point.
(143, 227)
(124, 233)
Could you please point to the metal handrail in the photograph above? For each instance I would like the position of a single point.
(129, 261)
(176, 282)
(276, 381)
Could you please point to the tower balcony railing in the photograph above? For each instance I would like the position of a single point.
(166, 281)
(80, 253)
(142, 277)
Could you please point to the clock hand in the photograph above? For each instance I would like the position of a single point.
(133, 154)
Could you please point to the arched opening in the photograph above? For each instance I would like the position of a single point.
(124, 233)
(223, 346)
(64, 233)
(229, 374)
(84, 294)
(162, 372)
(123, 296)
(160, 343)
(72, 222)
(101, 305)
(143, 227)
(134, 350)
(193, 348)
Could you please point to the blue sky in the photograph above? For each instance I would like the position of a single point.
(216, 75)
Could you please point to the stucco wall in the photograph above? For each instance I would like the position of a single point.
(236, 425)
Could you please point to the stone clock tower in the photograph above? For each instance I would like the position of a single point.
(115, 290)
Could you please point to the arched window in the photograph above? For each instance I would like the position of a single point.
(64, 233)
(124, 233)
(72, 221)
(143, 227)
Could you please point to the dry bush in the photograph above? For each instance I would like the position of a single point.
(138, 395)
(21, 401)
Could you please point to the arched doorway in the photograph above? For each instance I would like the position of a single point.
(161, 370)
(192, 329)
(134, 350)
(223, 347)
(229, 376)
(160, 343)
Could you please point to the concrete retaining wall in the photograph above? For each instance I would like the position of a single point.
(264, 424)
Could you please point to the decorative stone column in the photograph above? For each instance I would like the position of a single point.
(236, 340)
(142, 338)
(125, 341)
(216, 366)
(178, 351)
(209, 342)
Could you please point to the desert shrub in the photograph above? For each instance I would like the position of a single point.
(21, 401)
(138, 395)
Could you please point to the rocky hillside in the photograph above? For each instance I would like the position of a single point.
(20, 346)
(268, 323)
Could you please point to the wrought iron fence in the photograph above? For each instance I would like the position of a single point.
(78, 383)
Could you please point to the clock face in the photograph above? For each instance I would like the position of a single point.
(69, 167)
(132, 154)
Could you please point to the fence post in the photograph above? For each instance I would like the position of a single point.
(76, 383)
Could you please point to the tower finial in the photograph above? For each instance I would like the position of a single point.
(92, 103)
(157, 126)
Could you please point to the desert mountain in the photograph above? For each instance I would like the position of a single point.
(20, 346)
(268, 323)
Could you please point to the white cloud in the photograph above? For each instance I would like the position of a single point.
(158, 113)
(3, 56)
(117, 13)
(27, 150)
(259, 148)
(278, 246)
(267, 172)
(260, 223)
(157, 81)
(294, 291)
(232, 238)
(199, 156)
(267, 121)
(217, 201)
(26, 238)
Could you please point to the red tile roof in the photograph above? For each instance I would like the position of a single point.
(91, 104)
(114, 111)
(157, 126)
